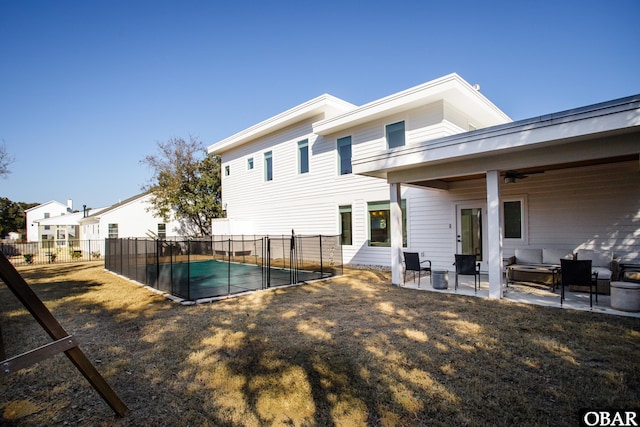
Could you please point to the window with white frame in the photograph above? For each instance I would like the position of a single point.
(303, 156)
(113, 231)
(226, 170)
(250, 163)
(162, 231)
(395, 134)
(514, 219)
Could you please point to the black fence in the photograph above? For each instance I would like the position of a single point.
(212, 267)
(52, 251)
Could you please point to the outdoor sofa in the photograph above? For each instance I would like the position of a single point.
(536, 265)
(543, 266)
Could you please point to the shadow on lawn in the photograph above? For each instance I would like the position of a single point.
(352, 350)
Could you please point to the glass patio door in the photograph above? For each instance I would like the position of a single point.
(470, 231)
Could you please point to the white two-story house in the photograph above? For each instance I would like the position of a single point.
(438, 169)
(294, 170)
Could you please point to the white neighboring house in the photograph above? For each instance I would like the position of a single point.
(45, 210)
(131, 218)
(438, 169)
(63, 228)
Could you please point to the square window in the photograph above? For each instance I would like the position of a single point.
(395, 134)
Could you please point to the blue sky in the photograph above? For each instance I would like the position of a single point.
(88, 88)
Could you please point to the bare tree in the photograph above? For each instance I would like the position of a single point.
(5, 160)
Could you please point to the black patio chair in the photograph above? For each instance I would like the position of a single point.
(578, 273)
(412, 263)
(466, 265)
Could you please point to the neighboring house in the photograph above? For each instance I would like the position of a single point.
(438, 169)
(130, 218)
(43, 211)
(63, 229)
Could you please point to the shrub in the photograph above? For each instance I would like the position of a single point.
(28, 258)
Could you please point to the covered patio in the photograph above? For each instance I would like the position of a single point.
(573, 142)
(522, 293)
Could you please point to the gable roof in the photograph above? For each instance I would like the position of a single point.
(328, 104)
(47, 203)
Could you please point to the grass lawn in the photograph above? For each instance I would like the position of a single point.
(349, 351)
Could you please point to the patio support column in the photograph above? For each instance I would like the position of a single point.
(395, 230)
(494, 234)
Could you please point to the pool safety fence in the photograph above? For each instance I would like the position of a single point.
(194, 269)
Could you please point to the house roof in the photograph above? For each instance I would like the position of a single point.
(328, 104)
(47, 203)
(451, 88)
(105, 211)
(601, 132)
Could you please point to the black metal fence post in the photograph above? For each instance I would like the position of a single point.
(189, 269)
(321, 268)
(229, 269)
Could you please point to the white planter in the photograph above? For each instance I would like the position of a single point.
(625, 296)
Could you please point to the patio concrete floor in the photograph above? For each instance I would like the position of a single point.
(521, 293)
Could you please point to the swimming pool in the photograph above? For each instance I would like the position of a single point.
(197, 269)
(211, 278)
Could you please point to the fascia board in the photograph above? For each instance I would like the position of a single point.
(451, 88)
(322, 104)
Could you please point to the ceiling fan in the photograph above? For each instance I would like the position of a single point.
(510, 176)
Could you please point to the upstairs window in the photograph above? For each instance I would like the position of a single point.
(303, 156)
(395, 134)
(268, 166)
(250, 163)
(344, 155)
(226, 170)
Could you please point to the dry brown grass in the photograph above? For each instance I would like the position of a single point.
(349, 351)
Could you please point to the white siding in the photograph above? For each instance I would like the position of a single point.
(134, 220)
(309, 203)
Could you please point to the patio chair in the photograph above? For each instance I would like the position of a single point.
(578, 273)
(412, 263)
(466, 265)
